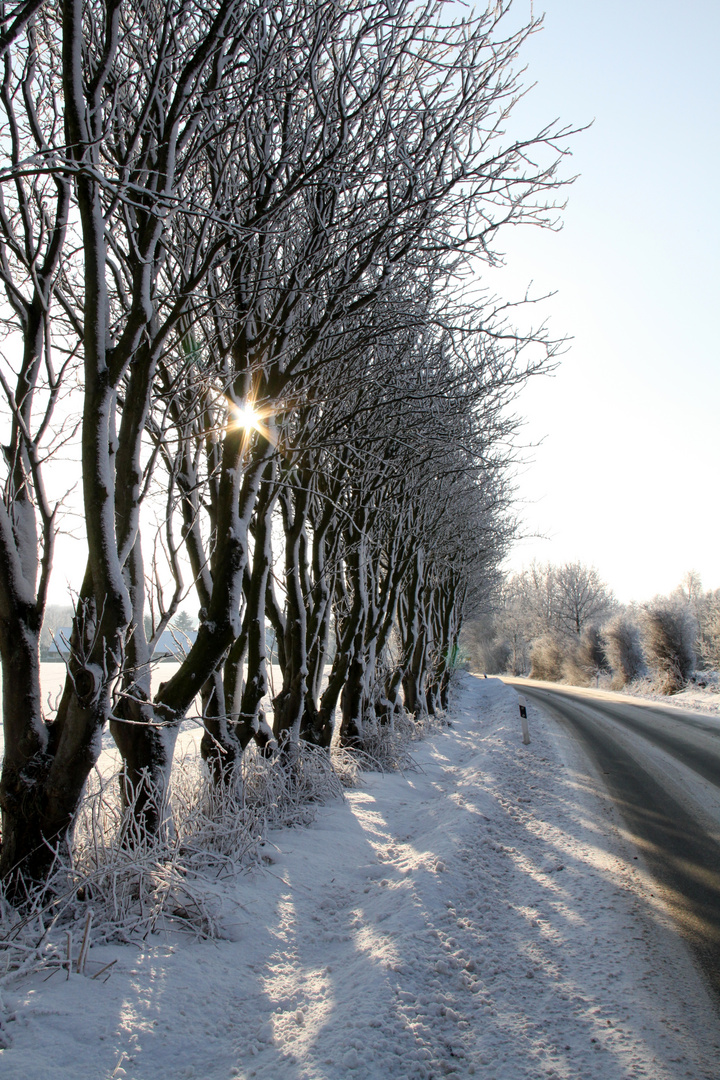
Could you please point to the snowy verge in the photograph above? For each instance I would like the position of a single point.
(700, 695)
(477, 915)
(694, 698)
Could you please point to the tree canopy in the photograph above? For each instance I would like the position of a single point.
(240, 245)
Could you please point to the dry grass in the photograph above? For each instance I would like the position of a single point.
(132, 884)
(120, 886)
(388, 747)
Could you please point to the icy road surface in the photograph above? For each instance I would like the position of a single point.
(661, 766)
(478, 916)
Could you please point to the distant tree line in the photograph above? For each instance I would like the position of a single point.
(237, 243)
(562, 623)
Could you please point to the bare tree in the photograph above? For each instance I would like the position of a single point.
(34, 215)
(272, 213)
(133, 103)
(352, 211)
(512, 626)
(580, 598)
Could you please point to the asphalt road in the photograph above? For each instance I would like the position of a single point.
(661, 767)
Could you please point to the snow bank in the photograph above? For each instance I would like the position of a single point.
(698, 696)
(479, 915)
(702, 693)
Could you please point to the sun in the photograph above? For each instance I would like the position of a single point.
(245, 416)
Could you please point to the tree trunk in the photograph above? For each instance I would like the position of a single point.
(352, 698)
(219, 746)
(251, 722)
(413, 640)
(290, 702)
(26, 761)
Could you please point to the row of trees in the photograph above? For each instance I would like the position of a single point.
(554, 605)
(563, 623)
(236, 241)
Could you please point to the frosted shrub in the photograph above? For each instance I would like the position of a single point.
(492, 655)
(592, 651)
(574, 670)
(669, 634)
(585, 658)
(548, 657)
(387, 746)
(130, 883)
(623, 648)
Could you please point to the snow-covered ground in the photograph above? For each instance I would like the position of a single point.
(702, 694)
(695, 696)
(479, 915)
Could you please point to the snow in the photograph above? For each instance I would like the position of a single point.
(481, 914)
(701, 694)
(701, 697)
(698, 696)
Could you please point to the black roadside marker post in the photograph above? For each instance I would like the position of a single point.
(523, 719)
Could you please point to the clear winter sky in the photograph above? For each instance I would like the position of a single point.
(628, 476)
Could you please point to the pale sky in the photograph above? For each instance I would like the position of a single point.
(627, 476)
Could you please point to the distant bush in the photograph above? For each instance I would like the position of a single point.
(482, 645)
(705, 606)
(583, 658)
(497, 657)
(573, 670)
(548, 657)
(623, 649)
(669, 635)
(592, 651)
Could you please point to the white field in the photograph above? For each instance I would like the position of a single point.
(52, 677)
